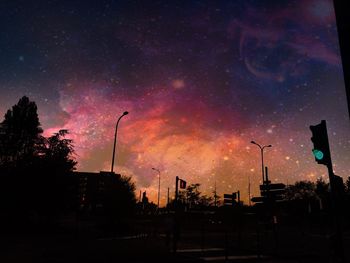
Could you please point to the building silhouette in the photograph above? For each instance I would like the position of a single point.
(92, 188)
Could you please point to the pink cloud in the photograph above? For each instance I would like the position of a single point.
(315, 49)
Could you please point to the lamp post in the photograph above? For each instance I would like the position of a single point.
(158, 184)
(262, 157)
(115, 138)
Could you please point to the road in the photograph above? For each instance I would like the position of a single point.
(200, 240)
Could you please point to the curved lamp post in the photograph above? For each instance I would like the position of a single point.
(158, 184)
(262, 157)
(115, 138)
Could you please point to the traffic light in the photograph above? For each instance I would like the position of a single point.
(321, 146)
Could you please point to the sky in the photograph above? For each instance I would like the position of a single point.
(200, 80)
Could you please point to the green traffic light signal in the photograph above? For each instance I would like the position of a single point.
(321, 150)
(318, 154)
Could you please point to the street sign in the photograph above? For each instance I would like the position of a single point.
(264, 199)
(265, 187)
(230, 196)
(230, 199)
(182, 184)
(274, 197)
(273, 193)
(270, 192)
(258, 199)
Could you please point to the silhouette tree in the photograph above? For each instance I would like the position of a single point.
(307, 196)
(205, 201)
(119, 201)
(323, 193)
(20, 133)
(53, 179)
(322, 188)
(302, 190)
(33, 168)
(57, 152)
(193, 194)
(347, 185)
(301, 195)
(347, 198)
(193, 198)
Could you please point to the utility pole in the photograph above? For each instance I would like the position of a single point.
(249, 191)
(155, 169)
(215, 196)
(167, 204)
(176, 188)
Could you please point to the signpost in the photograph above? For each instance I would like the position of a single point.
(273, 192)
(182, 186)
(270, 187)
(258, 199)
(270, 192)
(230, 199)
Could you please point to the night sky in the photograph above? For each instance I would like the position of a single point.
(201, 79)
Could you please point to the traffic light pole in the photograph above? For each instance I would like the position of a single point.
(271, 208)
(322, 155)
(338, 236)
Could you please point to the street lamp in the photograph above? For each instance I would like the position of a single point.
(262, 157)
(115, 138)
(158, 184)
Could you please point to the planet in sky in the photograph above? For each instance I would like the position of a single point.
(200, 80)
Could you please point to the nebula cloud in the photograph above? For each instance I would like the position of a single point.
(200, 80)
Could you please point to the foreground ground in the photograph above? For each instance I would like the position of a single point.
(201, 240)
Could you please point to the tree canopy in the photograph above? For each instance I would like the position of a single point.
(20, 133)
(33, 167)
(24, 147)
